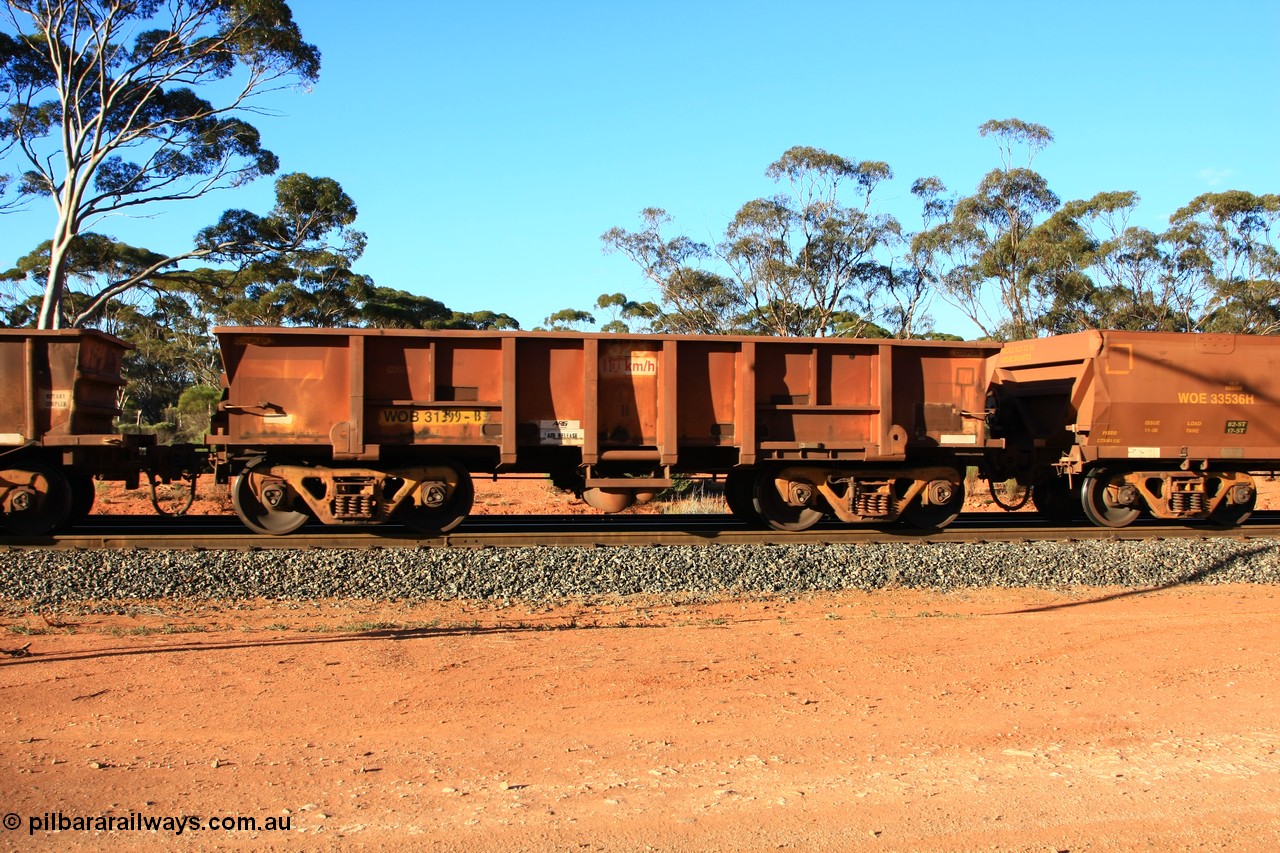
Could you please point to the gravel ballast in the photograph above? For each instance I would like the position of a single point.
(45, 577)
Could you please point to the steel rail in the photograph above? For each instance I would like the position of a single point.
(494, 531)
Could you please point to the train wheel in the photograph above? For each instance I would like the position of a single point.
(739, 488)
(441, 519)
(39, 502)
(1055, 499)
(1234, 515)
(1102, 495)
(946, 500)
(261, 517)
(777, 513)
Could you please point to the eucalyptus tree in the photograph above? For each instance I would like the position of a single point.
(568, 320)
(275, 292)
(293, 266)
(9, 50)
(390, 308)
(983, 255)
(913, 282)
(1223, 247)
(103, 113)
(1107, 273)
(92, 262)
(808, 261)
(485, 320)
(624, 314)
(694, 300)
(172, 351)
(805, 256)
(164, 320)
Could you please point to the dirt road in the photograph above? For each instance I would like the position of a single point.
(1023, 720)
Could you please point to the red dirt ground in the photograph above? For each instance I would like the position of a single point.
(890, 721)
(1072, 720)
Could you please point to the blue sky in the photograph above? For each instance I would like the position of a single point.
(488, 144)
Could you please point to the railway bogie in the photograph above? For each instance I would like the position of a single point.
(1115, 497)
(796, 497)
(278, 498)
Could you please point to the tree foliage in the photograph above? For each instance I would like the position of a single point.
(568, 320)
(804, 262)
(1227, 241)
(388, 308)
(817, 259)
(806, 256)
(627, 315)
(105, 109)
(172, 351)
(984, 254)
(291, 266)
(696, 300)
(115, 107)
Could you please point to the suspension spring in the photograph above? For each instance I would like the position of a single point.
(872, 504)
(353, 506)
(1187, 502)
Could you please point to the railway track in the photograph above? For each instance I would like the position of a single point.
(496, 531)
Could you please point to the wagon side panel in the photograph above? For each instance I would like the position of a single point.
(288, 389)
(431, 390)
(709, 380)
(551, 390)
(939, 394)
(64, 387)
(17, 403)
(1197, 397)
(820, 400)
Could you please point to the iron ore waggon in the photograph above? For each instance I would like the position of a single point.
(1112, 424)
(361, 426)
(58, 401)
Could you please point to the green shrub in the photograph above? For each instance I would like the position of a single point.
(195, 408)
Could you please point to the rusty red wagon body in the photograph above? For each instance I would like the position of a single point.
(57, 430)
(58, 434)
(1118, 423)
(363, 425)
